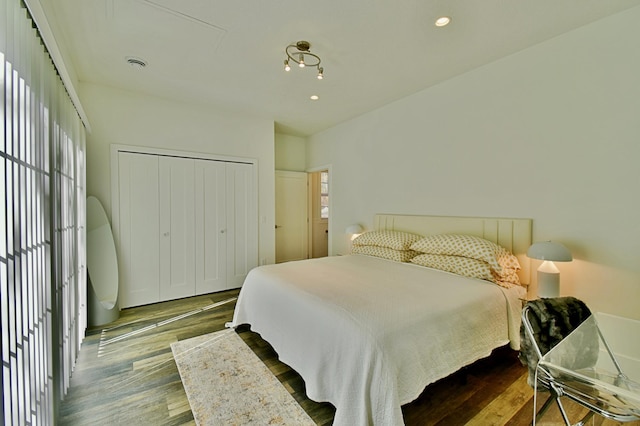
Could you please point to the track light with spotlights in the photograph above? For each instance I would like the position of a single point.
(300, 54)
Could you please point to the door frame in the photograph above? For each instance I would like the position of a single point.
(327, 168)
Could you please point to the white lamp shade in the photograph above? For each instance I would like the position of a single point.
(549, 250)
(354, 229)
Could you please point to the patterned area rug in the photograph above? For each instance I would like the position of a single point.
(227, 384)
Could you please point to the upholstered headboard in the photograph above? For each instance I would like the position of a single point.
(512, 234)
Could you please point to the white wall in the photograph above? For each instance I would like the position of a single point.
(290, 152)
(120, 117)
(551, 133)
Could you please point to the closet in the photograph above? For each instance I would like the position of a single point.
(184, 226)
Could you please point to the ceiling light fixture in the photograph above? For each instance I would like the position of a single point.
(443, 21)
(300, 54)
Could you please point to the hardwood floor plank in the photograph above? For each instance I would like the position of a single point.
(497, 412)
(135, 380)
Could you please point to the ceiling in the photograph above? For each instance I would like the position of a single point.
(229, 54)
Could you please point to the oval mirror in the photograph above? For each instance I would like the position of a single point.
(102, 266)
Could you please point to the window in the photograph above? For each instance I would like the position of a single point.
(41, 226)
(324, 195)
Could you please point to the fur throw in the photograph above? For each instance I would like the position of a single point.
(552, 320)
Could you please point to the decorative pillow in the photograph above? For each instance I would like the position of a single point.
(461, 245)
(385, 253)
(456, 264)
(508, 279)
(507, 260)
(390, 239)
(510, 267)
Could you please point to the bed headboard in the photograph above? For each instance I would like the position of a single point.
(512, 234)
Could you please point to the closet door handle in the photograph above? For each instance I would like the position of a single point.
(166, 234)
(222, 231)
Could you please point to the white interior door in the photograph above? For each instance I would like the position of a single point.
(211, 238)
(138, 232)
(177, 228)
(241, 222)
(291, 216)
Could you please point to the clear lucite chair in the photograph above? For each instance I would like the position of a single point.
(568, 356)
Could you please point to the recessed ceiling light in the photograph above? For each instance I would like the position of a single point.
(314, 97)
(443, 21)
(136, 62)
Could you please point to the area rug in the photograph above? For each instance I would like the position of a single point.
(227, 384)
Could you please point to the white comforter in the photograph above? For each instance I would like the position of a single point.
(368, 335)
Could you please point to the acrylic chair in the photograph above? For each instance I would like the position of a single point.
(567, 355)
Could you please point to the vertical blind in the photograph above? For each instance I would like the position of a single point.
(42, 249)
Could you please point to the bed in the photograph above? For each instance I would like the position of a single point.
(369, 334)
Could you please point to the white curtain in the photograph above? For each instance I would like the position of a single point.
(42, 290)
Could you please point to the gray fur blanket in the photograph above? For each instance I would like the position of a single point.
(552, 320)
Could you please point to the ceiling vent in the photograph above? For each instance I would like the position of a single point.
(136, 62)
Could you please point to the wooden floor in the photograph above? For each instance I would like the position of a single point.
(126, 375)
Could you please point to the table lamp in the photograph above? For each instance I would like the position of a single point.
(548, 273)
(354, 230)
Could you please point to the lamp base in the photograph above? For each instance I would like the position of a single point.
(548, 284)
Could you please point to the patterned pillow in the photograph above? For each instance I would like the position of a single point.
(507, 260)
(508, 279)
(391, 239)
(456, 264)
(461, 245)
(510, 267)
(385, 253)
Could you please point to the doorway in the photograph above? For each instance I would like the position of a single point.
(319, 213)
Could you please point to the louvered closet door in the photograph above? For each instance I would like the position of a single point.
(177, 228)
(211, 238)
(186, 226)
(138, 234)
(242, 222)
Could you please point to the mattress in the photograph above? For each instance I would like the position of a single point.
(368, 334)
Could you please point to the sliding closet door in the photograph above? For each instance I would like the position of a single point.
(242, 222)
(211, 231)
(138, 235)
(177, 228)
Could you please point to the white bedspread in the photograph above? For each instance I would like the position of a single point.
(368, 335)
